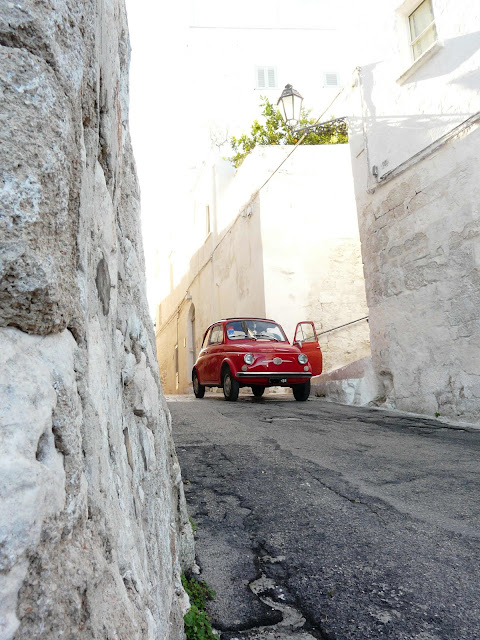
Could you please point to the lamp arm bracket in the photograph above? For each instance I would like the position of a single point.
(330, 127)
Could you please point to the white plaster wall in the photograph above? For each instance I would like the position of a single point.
(311, 246)
(403, 116)
(223, 280)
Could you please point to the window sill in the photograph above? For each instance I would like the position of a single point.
(419, 62)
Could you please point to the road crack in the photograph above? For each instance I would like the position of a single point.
(340, 494)
(272, 592)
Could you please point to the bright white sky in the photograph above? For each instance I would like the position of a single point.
(159, 108)
(163, 105)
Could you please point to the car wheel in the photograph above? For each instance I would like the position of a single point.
(301, 391)
(198, 389)
(231, 386)
(258, 390)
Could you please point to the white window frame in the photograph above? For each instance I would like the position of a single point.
(265, 69)
(404, 11)
(420, 35)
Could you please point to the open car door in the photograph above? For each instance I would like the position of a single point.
(307, 341)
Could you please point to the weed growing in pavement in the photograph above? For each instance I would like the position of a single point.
(194, 525)
(197, 623)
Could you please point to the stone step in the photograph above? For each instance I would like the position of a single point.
(356, 384)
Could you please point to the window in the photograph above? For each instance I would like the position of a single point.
(423, 32)
(265, 78)
(330, 79)
(206, 339)
(254, 330)
(305, 333)
(216, 337)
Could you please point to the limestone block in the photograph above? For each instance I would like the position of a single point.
(144, 390)
(147, 442)
(128, 370)
(37, 246)
(60, 35)
(355, 384)
(32, 475)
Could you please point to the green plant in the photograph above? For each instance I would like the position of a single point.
(197, 623)
(275, 131)
(437, 415)
(194, 524)
(198, 591)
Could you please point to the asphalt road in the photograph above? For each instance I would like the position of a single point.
(325, 521)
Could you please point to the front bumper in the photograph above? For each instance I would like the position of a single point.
(272, 379)
(273, 376)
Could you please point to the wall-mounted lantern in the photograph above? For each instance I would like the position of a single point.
(290, 105)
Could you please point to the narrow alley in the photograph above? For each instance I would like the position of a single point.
(326, 521)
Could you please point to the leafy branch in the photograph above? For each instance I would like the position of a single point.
(274, 130)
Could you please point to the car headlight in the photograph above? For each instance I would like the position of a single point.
(248, 357)
(302, 358)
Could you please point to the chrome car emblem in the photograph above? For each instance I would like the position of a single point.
(277, 361)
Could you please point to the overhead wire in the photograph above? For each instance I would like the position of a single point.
(252, 199)
(299, 142)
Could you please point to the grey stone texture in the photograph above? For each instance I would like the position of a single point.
(420, 236)
(93, 525)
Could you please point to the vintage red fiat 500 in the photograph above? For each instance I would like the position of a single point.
(255, 352)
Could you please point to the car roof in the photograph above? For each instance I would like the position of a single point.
(246, 318)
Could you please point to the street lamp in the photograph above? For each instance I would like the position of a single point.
(290, 103)
(290, 106)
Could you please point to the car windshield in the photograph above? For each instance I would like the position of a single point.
(254, 330)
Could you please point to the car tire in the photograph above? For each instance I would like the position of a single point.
(198, 389)
(231, 387)
(301, 391)
(258, 390)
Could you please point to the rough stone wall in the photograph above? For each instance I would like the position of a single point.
(420, 236)
(93, 526)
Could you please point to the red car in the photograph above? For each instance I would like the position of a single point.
(255, 352)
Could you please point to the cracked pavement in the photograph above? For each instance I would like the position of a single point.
(317, 520)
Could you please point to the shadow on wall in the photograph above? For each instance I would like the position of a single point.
(454, 52)
(392, 139)
(414, 121)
